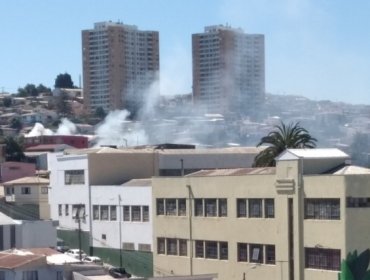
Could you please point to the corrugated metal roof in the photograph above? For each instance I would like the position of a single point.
(10, 260)
(28, 180)
(234, 172)
(352, 170)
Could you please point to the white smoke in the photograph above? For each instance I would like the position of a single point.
(117, 130)
(66, 127)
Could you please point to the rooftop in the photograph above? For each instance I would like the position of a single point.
(34, 180)
(234, 172)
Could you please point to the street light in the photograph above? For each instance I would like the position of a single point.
(252, 267)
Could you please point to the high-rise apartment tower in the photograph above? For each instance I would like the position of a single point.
(120, 65)
(228, 70)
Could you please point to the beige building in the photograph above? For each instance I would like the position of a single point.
(29, 191)
(120, 64)
(228, 70)
(295, 221)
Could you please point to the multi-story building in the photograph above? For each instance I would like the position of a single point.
(120, 65)
(228, 70)
(295, 221)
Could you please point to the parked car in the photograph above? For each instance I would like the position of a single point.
(61, 246)
(76, 253)
(93, 259)
(119, 272)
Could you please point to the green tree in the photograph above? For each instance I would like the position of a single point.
(28, 90)
(354, 267)
(13, 149)
(42, 89)
(63, 105)
(7, 101)
(282, 138)
(16, 123)
(63, 81)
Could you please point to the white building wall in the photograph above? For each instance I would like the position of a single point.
(38, 234)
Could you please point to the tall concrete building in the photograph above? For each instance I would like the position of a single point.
(228, 70)
(120, 66)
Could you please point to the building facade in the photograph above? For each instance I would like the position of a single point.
(295, 221)
(120, 65)
(228, 70)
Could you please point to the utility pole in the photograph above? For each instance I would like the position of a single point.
(120, 230)
(80, 215)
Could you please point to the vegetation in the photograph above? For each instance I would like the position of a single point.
(13, 148)
(100, 113)
(32, 90)
(354, 267)
(7, 101)
(64, 81)
(282, 138)
(63, 105)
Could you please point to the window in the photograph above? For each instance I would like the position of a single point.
(9, 190)
(183, 247)
(171, 246)
(126, 213)
(145, 247)
(211, 250)
(145, 213)
(161, 246)
(129, 246)
(322, 208)
(270, 254)
(182, 207)
(242, 252)
(30, 275)
(59, 275)
(255, 208)
(44, 190)
(96, 212)
(256, 253)
(222, 207)
(160, 206)
(26, 190)
(241, 208)
(113, 213)
(269, 208)
(104, 215)
(74, 177)
(210, 207)
(60, 210)
(224, 251)
(328, 259)
(171, 207)
(358, 202)
(199, 249)
(135, 213)
(198, 207)
(2, 275)
(66, 209)
(104, 236)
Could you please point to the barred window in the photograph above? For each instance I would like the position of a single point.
(104, 215)
(358, 202)
(113, 212)
(211, 250)
(210, 207)
(96, 212)
(135, 213)
(242, 252)
(160, 206)
(171, 246)
(269, 208)
(319, 258)
(270, 254)
(26, 190)
(74, 177)
(198, 207)
(144, 247)
(145, 213)
(241, 208)
(171, 207)
(224, 251)
(183, 247)
(222, 207)
(182, 207)
(199, 249)
(322, 208)
(126, 213)
(255, 208)
(161, 247)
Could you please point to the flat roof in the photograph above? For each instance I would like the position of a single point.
(234, 172)
(315, 153)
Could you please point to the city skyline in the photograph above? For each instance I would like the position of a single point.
(316, 49)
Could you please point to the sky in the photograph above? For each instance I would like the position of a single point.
(319, 49)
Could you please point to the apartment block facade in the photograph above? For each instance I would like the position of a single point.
(295, 221)
(228, 70)
(120, 66)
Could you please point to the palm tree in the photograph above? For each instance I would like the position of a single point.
(284, 137)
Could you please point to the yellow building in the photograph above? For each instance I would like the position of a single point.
(297, 220)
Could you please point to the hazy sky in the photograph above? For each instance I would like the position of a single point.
(316, 48)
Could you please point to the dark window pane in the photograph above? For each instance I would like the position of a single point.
(270, 254)
(182, 207)
(241, 208)
(211, 250)
(224, 251)
(199, 249)
(242, 252)
(210, 207)
(256, 253)
(255, 208)
(222, 207)
(160, 206)
(198, 207)
(269, 208)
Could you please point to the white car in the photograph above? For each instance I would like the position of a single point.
(93, 259)
(76, 253)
